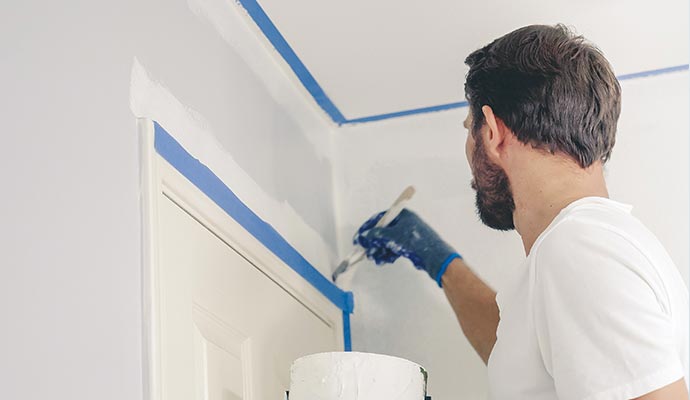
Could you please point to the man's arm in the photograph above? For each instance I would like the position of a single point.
(675, 391)
(475, 306)
(408, 236)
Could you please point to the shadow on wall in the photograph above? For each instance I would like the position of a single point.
(287, 166)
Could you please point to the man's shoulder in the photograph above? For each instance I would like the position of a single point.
(593, 244)
(592, 227)
(592, 239)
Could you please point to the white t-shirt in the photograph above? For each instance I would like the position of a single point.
(597, 311)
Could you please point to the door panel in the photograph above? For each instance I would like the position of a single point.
(227, 330)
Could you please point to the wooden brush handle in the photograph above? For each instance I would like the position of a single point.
(397, 207)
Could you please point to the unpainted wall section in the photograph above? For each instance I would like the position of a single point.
(71, 246)
(400, 311)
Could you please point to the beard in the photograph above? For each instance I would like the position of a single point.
(494, 198)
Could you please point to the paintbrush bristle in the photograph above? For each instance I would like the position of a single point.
(341, 268)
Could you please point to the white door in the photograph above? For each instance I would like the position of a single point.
(228, 328)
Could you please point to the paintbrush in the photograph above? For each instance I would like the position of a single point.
(358, 252)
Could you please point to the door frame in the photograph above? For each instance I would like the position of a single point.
(159, 177)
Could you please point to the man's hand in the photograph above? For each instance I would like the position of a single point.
(406, 236)
(472, 300)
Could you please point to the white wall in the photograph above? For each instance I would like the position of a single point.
(400, 311)
(650, 165)
(70, 291)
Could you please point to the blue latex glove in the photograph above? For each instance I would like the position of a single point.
(407, 236)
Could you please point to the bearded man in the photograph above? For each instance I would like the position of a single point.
(598, 310)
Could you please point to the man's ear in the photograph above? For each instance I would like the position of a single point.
(494, 137)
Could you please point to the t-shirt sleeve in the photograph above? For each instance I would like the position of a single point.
(602, 323)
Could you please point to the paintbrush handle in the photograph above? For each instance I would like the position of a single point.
(396, 208)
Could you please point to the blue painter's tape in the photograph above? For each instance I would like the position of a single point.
(461, 104)
(407, 112)
(346, 332)
(653, 72)
(204, 179)
(281, 45)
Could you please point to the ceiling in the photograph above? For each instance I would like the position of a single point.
(376, 59)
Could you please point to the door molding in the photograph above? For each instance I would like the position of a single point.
(160, 177)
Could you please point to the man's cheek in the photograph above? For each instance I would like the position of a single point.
(469, 148)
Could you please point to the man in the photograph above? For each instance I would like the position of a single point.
(597, 310)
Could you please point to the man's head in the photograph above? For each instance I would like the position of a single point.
(552, 91)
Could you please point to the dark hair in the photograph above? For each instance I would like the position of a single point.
(553, 89)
